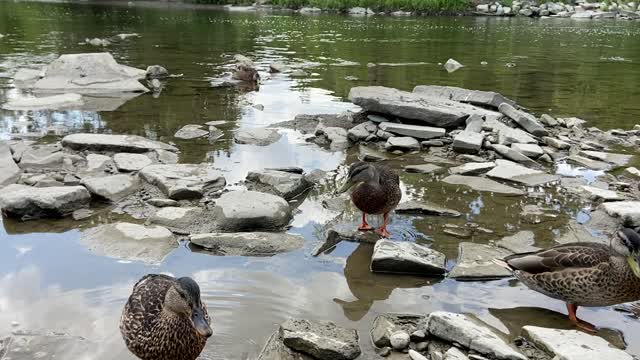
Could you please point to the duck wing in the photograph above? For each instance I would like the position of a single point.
(146, 302)
(558, 258)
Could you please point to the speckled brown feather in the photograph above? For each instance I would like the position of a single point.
(153, 334)
(378, 198)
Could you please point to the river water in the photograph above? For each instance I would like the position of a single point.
(50, 281)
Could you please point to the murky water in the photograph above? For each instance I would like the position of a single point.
(49, 281)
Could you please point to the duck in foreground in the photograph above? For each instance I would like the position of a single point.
(583, 274)
(165, 319)
(376, 191)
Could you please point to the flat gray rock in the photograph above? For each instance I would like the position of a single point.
(114, 143)
(589, 163)
(361, 132)
(274, 349)
(9, 171)
(467, 142)
(520, 242)
(54, 102)
(40, 157)
(471, 335)
(423, 168)
(556, 143)
(256, 136)
(512, 154)
(28, 202)
(473, 168)
(415, 131)
(530, 150)
(320, 339)
(251, 211)
(127, 241)
(403, 257)
(596, 193)
(525, 120)
(181, 220)
(184, 181)
(189, 132)
(96, 163)
(248, 243)
(112, 188)
(573, 344)
(30, 346)
(611, 158)
(402, 144)
(627, 211)
(475, 262)
(424, 208)
(474, 97)
(482, 184)
(131, 162)
(285, 184)
(507, 170)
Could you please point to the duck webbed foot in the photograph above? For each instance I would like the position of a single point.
(580, 324)
(364, 226)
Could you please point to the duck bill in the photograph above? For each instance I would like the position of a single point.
(633, 264)
(200, 323)
(346, 186)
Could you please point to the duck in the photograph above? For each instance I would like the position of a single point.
(583, 273)
(376, 191)
(165, 319)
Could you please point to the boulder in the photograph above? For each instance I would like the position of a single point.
(405, 257)
(507, 170)
(402, 143)
(284, 184)
(424, 208)
(27, 202)
(475, 262)
(251, 211)
(156, 72)
(482, 184)
(184, 181)
(248, 243)
(257, 136)
(474, 97)
(415, 131)
(525, 120)
(114, 143)
(461, 329)
(572, 344)
(54, 102)
(452, 65)
(512, 154)
(627, 211)
(529, 150)
(9, 171)
(423, 168)
(472, 168)
(189, 132)
(131, 162)
(468, 142)
(112, 188)
(132, 242)
(245, 69)
(320, 339)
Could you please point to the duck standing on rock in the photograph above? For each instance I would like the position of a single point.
(376, 191)
(165, 319)
(583, 274)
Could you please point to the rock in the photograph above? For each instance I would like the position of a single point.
(414, 355)
(612, 158)
(189, 132)
(424, 208)
(572, 344)
(157, 202)
(482, 184)
(573, 122)
(278, 68)
(475, 263)
(27, 345)
(423, 168)
(126, 241)
(97, 163)
(112, 188)
(184, 181)
(630, 171)
(399, 340)
(530, 150)
(347, 232)
(248, 243)
(474, 97)
(336, 136)
(81, 214)
(512, 154)
(452, 65)
(472, 168)
(627, 211)
(274, 349)
(455, 354)
(548, 120)
(245, 69)
(181, 220)
(156, 72)
(362, 131)
(508, 135)
(9, 171)
(257, 136)
(432, 143)
(418, 335)
(483, 8)
(251, 211)
(27, 202)
(526, 12)
(298, 73)
(285, 184)
(98, 42)
(556, 143)
(320, 339)
(403, 144)
(461, 329)
(475, 123)
(467, 142)
(405, 257)
(131, 162)
(601, 194)
(41, 157)
(27, 77)
(521, 242)
(370, 155)
(415, 131)
(589, 163)
(95, 73)
(507, 170)
(113, 143)
(526, 121)
(54, 102)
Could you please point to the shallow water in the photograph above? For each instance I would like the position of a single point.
(49, 281)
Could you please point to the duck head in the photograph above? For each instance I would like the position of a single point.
(628, 245)
(183, 299)
(360, 172)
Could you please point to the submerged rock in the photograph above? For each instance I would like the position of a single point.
(248, 243)
(322, 340)
(403, 257)
(257, 136)
(474, 97)
(9, 171)
(425, 208)
(251, 211)
(156, 72)
(112, 188)
(520, 242)
(27, 202)
(114, 143)
(189, 132)
(507, 170)
(572, 344)
(54, 102)
(285, 184)
(452, 65)
(184, 181)
(482, 184)
(475, 262)
(26, 345)
(245, 69)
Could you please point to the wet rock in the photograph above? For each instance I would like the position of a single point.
(127, 241)
(298, 73)
(548, 120)
(472, 168)
(157, 202)
(131, 162)
(245, 69)
(189, 132)
(414, 355)
(507, 170)
(112, 188)
(482, 184)
(9, 171)
(285, 184)
(248, 243)
(475, 263)
(424, 208)
(32, 345)
(348, 232)
(520, 242)
(278, 68)
(415, 131)
(256, 136)
(627, 211)
(27, 77)
(399, 340)
(251, 211)
(214, 134)
(362, 131)
(27, 202)
(403, 257)
(114, 143)
(630, 171)
(423, 168)
(589, 163)
(529, 150)
(596, 193)
(322, 340)
(336, 136)
(90, 74)
(512, 154)
(461, 329)
(525, 120)
(467, 142)
(403, 144)
(81, 214)
(612, 158)
(370, 155)
(54, 102)
(572, 344)
(452, 65)
(184, 181)
(474, 97)
(156, 72)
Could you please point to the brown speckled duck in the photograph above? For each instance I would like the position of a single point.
(376, 192)
(583, 274)
(165, 319)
